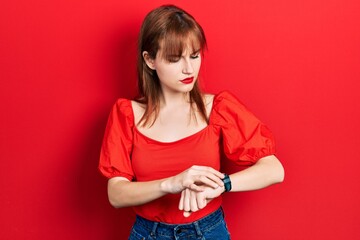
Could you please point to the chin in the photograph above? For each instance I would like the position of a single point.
(187, 89)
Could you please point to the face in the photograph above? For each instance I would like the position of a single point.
(176, 74)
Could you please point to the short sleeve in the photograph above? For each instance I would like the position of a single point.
(245, 138)
(115, 154)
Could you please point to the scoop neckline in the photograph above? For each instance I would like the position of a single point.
(172, 142)
(178, 140)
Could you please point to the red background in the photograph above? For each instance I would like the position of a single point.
(296, 64)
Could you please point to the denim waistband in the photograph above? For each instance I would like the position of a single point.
(197, 227)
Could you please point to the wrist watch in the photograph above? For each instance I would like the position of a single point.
(227, 183)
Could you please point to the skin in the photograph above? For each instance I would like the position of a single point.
(198, 185)
(173, 123)
(266, 171)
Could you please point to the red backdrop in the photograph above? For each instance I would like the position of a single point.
(296, 64)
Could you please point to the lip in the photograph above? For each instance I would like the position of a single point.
(187, 80)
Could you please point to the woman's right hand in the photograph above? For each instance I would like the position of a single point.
(191, 201)
(193, 178)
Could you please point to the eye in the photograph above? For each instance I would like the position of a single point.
(173, 59)
(195, 55)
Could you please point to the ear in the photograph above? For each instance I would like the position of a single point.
(148, 60)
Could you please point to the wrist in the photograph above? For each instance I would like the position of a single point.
(222, 189)
(165, 185)
(227, 183)
(170, 185)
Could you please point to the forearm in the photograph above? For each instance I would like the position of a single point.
(265, 172)
(123, 193)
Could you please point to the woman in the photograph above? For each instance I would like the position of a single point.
(161, 151)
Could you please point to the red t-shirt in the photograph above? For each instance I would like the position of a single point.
(128, 153)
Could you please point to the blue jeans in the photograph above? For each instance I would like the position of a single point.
(211, 227)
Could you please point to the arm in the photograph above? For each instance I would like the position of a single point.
(123, 193)
(265, 172)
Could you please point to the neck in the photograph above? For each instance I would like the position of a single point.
(169, 99)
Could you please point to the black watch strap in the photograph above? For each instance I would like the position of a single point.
(227, 183)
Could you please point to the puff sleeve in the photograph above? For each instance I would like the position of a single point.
(245, 138)
(115, 154)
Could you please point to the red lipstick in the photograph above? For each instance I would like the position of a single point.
(187, 80)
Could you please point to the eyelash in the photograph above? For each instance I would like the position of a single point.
(195, 56)
(174, 60)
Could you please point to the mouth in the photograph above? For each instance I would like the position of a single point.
(187, 80)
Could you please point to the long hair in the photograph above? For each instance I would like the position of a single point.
(171, 28)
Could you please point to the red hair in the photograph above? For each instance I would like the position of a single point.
(171, 29)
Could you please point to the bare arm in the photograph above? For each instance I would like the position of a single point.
(123, 193)
(265, 172)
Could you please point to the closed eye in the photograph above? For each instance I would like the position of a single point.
(195, 55)
(173, 59)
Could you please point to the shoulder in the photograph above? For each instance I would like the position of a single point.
(122, 111)
(228, 100)
(211, 100)
(122, 102)
(122, 106)
(132, 110)
(138, 109)
(227, 106)
(226, 96)
(222, 101)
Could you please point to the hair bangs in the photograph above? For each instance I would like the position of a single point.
(167, 32)
(174, 44)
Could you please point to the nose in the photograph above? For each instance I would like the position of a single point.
(187, 66)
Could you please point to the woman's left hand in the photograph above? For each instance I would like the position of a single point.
(192, 201)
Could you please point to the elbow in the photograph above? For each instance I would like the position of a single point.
(279, 175)
(274, 170)
(114, 203)
(116, 191)
(116, 200)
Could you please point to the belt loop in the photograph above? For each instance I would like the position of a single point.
(153, 231)
(197, 228)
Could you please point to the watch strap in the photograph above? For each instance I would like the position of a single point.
(227, 183)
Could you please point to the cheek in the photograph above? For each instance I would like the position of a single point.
(167, 72)
(197, 66)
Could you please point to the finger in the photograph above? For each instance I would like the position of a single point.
(216, 179)
(187, 200)
(181, 202)
(209, 169)
(201, 201)
(200, 175)
(196, 188)
(209, 182)
(193, 202)
(203, 177)
(187, 214)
